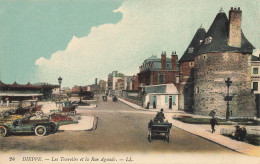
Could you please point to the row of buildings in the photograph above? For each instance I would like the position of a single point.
(197, 82)
(17, 92)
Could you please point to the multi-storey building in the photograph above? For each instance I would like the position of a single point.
(156, 71)
(102, 85)
(112, 79)
(255, 81)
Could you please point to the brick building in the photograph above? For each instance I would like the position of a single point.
(156, 71)
(224, 53)
(102, 85)
(135, 83)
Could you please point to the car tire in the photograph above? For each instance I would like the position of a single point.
(40, 130)
(3, 131)
(53, 128)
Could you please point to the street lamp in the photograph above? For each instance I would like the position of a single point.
(59, 80)
(228, 98)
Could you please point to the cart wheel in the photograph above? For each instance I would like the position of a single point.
(150, 137)
(168, 138)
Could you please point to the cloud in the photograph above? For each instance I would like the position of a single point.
(256, 52)
(147, 27)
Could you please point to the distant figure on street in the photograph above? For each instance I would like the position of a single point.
(159, 117)
(7, 101)
(114, 98)
(213, 122)
(243, 134)
(154, 105)
(148, 105)
(240, 133)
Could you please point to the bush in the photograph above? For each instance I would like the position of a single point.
(183, 116)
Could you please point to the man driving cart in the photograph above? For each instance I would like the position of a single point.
(159, 117)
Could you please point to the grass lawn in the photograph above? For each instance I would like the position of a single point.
(191, 120)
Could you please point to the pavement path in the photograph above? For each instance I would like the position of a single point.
(84, 123)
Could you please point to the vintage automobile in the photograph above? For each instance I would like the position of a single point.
(69, 107)
(30, 124)
(28, 110)
(87, 95)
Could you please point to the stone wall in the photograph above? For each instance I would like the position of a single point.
(211, 71)
(186, 87)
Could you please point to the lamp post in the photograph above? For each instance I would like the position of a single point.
(228, 98)
(59, 80)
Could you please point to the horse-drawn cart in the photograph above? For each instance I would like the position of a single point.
(159, 129)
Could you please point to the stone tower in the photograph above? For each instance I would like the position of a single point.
(225, 53)
(186, 64)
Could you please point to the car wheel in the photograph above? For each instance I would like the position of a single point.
(40, 130)
(3, 131)
(53, 128)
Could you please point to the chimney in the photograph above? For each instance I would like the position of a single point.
(96, 81)
(234, 35)
(163, 60)
(174, 61)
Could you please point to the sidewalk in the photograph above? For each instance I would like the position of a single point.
(204, 132)
(85, 123)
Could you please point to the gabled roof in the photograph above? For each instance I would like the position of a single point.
(194, 45)
(218, 31)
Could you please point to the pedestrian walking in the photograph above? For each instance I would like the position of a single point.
(7, 101)
(154, 105)
(213, 122)
(148, 104)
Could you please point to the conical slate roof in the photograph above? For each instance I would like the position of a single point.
(190, 52)
(218, 32)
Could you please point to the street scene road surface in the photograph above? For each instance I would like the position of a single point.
(120, 128)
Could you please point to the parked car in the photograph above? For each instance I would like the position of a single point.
(40, 126)
(87, 95)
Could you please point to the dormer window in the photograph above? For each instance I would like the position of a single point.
(208, 40)
(190, 50)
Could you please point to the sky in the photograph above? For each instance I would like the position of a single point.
(81, 40)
